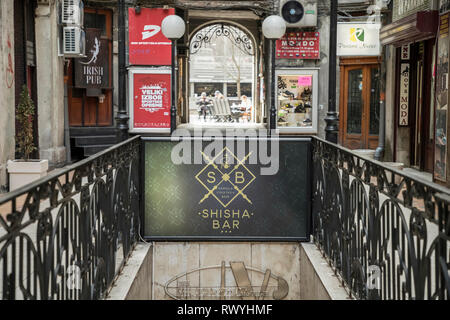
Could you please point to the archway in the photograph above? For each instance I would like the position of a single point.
(222, 75)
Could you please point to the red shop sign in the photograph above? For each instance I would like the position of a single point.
(299, 45)
(147, 43)
(150, 100)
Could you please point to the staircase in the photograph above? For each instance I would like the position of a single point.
(87, 141)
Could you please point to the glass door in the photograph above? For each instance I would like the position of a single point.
(360, 106)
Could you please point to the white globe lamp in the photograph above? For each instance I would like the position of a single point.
(173, 27)
(274, 27)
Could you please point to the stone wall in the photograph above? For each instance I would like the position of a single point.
(154, 270)
(7, 88)
(50, 85)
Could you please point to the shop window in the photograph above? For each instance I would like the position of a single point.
(297, 100)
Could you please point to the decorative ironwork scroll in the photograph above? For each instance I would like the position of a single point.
(206, 35)
(385, 233)
(67, 236)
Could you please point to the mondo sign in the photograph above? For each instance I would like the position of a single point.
(149, 100)
(358, 39)
(147, 44)
(299, 45)
(221, 189)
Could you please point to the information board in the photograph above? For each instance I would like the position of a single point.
(226, 194)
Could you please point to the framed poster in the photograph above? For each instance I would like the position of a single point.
(147, 43)
(150, 100)
(299, 45)
(221, 191)
(297, 100)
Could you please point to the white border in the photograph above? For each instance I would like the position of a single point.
(315, 98)
(140, 70)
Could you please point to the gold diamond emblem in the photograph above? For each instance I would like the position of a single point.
(225, 182)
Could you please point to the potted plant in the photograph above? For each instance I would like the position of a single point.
(26, 170)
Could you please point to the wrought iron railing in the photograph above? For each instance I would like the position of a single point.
(66, 236)
(385, 232)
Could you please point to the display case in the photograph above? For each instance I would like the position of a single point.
(297, 100)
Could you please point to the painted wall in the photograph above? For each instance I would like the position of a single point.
(7, 88)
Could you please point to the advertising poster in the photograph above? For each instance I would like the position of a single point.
(150, 99)
(147, 43)
(224, 192)
(440, 165)
(299, 45)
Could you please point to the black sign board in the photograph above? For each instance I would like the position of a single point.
(93, 71)
(220, 190)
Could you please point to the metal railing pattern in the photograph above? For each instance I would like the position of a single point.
(384, 232)
(66, 236)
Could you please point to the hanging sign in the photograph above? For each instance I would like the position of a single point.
(404, 95)
(147, 43)
(358, 39)
(92, 71)
(150, 100)
(405, 52)
(299, 45)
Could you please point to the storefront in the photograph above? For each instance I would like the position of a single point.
(413, 35)
(359, 50)
(441, 151)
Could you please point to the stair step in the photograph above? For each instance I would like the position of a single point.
(83, 141)
(91, 150)
(92, 131)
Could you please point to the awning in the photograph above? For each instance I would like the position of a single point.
(416, 27)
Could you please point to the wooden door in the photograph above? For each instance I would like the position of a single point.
(422, 148)
(359, 104)
(84, 110)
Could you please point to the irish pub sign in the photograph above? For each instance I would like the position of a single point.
(227, 189)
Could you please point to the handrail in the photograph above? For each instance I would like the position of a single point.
(70, 233)
(385, 233)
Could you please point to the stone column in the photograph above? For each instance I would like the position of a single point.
(7, 88)
(50, 84)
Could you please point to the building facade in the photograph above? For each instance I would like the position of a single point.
(75, 118)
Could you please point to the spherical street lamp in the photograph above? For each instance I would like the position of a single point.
(173, 28)
(273, 28)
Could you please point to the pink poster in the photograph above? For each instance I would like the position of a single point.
(305, 81)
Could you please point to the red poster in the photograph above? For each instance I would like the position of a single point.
(151, 100)
(299, 45)
(147, 43)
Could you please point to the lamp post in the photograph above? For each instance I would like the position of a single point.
(273, 28)
(331, 130)
(122, 116)
(173, 28)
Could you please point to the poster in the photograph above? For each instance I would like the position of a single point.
(147, 43)
(224, 195)
(150, 99)
(93, 71)
(299, 45)
(442, 73)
